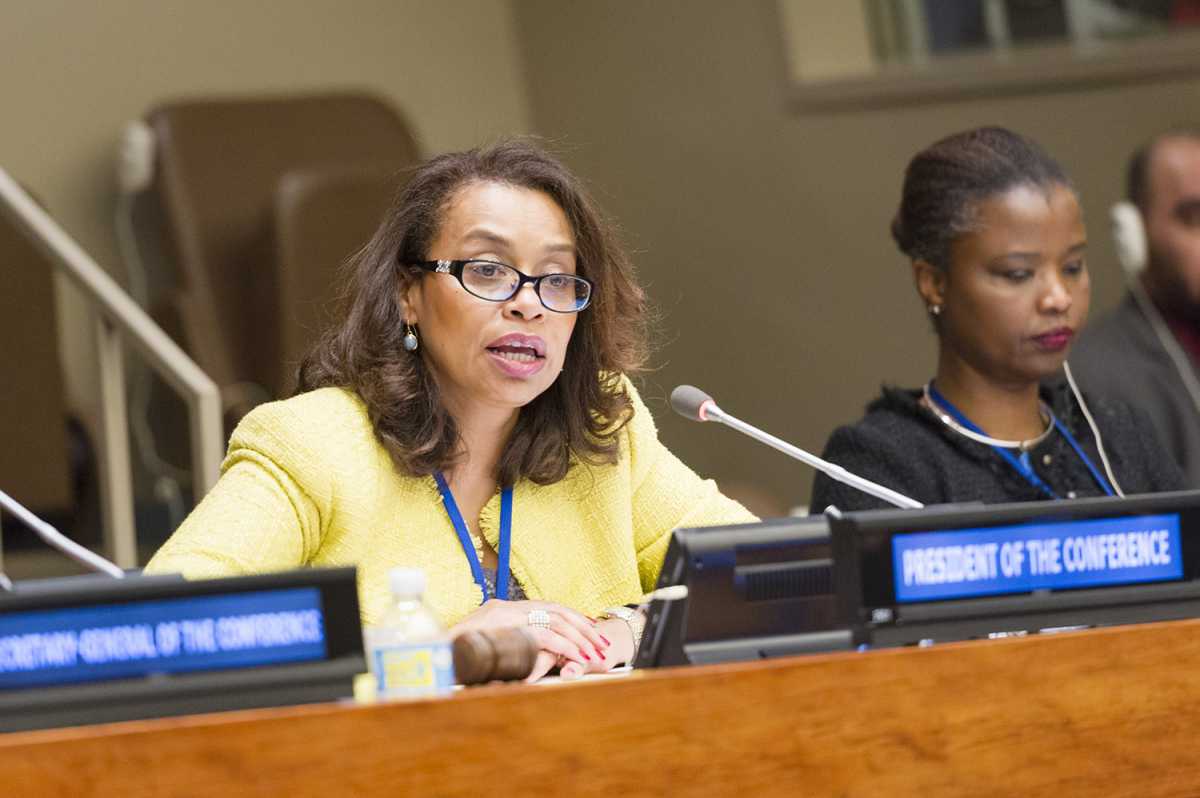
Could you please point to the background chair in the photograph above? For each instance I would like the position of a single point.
(321, 217)
(220, 165)
(235, 238)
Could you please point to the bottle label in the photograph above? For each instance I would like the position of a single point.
(413, 669)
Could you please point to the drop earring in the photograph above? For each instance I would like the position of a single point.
(410, 341)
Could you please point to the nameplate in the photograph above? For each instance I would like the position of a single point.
(1020, 558)
(145, 638)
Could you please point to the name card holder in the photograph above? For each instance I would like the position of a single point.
(103, 650)
(913, 577)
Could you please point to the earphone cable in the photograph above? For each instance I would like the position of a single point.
(1087, 414)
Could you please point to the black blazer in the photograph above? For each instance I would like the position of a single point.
(902, 445)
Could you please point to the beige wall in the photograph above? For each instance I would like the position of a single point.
(75, 72)
(761, 231)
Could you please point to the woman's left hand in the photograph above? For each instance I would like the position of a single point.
(620, 651)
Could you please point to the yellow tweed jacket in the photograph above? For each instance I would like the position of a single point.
(305, 482)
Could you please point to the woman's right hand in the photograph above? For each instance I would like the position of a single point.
(570, 637)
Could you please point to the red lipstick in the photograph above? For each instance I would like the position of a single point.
(1055, 340)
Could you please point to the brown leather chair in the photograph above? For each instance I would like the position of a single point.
(220, 166)
(322, 217)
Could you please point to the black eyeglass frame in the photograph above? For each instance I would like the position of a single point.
(455, 269)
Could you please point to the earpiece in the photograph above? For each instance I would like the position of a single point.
(1129, 235)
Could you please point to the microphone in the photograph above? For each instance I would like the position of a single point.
(694, 404)
(57, 540)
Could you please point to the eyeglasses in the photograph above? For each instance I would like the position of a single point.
(498, 282)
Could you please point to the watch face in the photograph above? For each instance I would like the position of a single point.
(633, 618)
(626, 614)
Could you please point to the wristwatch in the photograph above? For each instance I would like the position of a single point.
(633, 619)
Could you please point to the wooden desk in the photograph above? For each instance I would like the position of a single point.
(1106, 712)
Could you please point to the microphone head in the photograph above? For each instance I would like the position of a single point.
(691, 402)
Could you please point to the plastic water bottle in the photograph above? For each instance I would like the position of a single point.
(407, 650)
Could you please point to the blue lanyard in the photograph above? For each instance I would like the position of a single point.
(464, 538)
(1021, 464)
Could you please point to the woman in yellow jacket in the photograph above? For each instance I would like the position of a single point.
(470, 416)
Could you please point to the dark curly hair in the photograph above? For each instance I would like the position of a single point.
(945, 182)
(579, 415)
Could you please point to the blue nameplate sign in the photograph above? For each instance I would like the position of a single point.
(157, 636)
(937, 566)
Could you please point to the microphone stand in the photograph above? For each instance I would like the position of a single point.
(57, 540)
(832, 470)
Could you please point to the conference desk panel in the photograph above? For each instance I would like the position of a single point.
(1103, 712)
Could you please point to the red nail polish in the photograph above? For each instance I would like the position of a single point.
(585, 656)
(607, 642)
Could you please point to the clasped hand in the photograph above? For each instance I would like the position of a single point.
(572, 641)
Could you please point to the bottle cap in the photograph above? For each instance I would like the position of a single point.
(407, 582)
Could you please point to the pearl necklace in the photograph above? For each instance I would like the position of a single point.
(1024, 446)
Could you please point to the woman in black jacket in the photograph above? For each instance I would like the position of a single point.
(995, 233)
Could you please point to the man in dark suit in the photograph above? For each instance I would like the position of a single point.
(1147, 349)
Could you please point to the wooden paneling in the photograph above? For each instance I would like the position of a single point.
(1106, 712)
